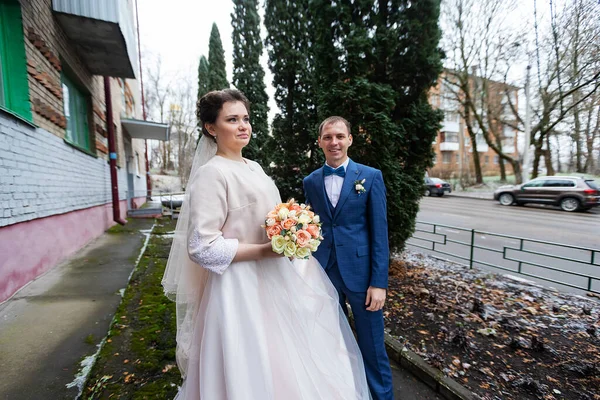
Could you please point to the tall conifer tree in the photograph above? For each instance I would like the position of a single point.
(202, 77)
(375, 63)
(217, 75)
(293, 146)
(202, 86)
(248, 74)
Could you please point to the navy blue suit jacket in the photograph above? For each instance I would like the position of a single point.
(357, 227)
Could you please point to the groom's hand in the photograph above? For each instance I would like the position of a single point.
(375, 298)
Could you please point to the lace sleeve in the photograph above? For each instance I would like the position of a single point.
(215, 256)
(208, 212)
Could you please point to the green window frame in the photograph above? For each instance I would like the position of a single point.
(76, 109)
(14, 86)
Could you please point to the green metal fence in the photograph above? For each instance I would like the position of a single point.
(572, 266)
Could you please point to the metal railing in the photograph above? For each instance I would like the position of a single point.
(171, 203)
(166, 202)
(571, 266)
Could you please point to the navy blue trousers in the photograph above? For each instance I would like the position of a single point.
(369, 332)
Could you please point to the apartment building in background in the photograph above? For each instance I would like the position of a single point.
(453, 147)
(56, 189)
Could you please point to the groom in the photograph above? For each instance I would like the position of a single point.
(350, 198)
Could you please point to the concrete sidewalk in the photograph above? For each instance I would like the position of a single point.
(473, 195)
(49, 326)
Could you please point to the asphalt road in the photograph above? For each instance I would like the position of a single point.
(545, 224)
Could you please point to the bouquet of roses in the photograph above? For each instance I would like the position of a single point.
(293, 229)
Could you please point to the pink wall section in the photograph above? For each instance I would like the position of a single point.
(29, 249)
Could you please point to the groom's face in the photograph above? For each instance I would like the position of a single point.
(334, 141)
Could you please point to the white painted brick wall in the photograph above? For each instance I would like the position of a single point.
(41, 175)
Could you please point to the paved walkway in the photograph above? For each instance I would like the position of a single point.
(48, 327)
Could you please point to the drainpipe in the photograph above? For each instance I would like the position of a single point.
(112, 152)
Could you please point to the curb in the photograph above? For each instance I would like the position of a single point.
(432, 377)
(470, 197)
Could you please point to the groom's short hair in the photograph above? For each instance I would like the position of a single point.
(334, 120)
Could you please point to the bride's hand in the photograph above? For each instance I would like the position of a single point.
(267, 251)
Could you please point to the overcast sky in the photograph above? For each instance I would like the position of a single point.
(179, 30)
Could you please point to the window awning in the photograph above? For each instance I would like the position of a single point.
(139, 129)
(103, 32)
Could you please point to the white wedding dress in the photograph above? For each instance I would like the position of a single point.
(265, 330)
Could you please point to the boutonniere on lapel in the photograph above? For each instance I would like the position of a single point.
(358, 186)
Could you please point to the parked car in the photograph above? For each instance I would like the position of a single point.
(568, 192)
(173, 201)
(436, 186)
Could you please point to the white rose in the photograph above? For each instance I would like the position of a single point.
(271, 221)
(304, 219)
(278, 244)
(313, 245)
(316, 219)
(303, 252)
(290, 249)
(292, 214)
(283, 213)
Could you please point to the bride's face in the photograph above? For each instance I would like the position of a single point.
(232, 127)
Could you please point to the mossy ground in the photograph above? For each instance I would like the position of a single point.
(128, 228)
(138, 359)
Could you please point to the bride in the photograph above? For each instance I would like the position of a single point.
(251, 324)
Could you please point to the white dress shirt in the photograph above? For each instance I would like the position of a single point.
(333, 184)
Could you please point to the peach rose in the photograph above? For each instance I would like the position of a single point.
(311, 214)
(302, 238)
(313, 230)
(288, 223)
(273, 231)
(295, 207)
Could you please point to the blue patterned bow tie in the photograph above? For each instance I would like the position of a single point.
(340, 171)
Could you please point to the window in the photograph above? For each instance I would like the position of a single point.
(434, 158)
(450, 137)
(592, 185)
(480, 140)
(534, 184)
(137, 163)
(457, 159)
(446, 157)
(487, 159)
(14, 88)
(496, 160)
(559, 183)
(76, 113)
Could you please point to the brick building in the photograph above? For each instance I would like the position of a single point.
(56, 189)
(453, 148)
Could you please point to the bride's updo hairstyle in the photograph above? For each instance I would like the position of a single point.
(211, 104)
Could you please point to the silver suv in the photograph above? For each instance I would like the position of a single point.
(569, 192)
